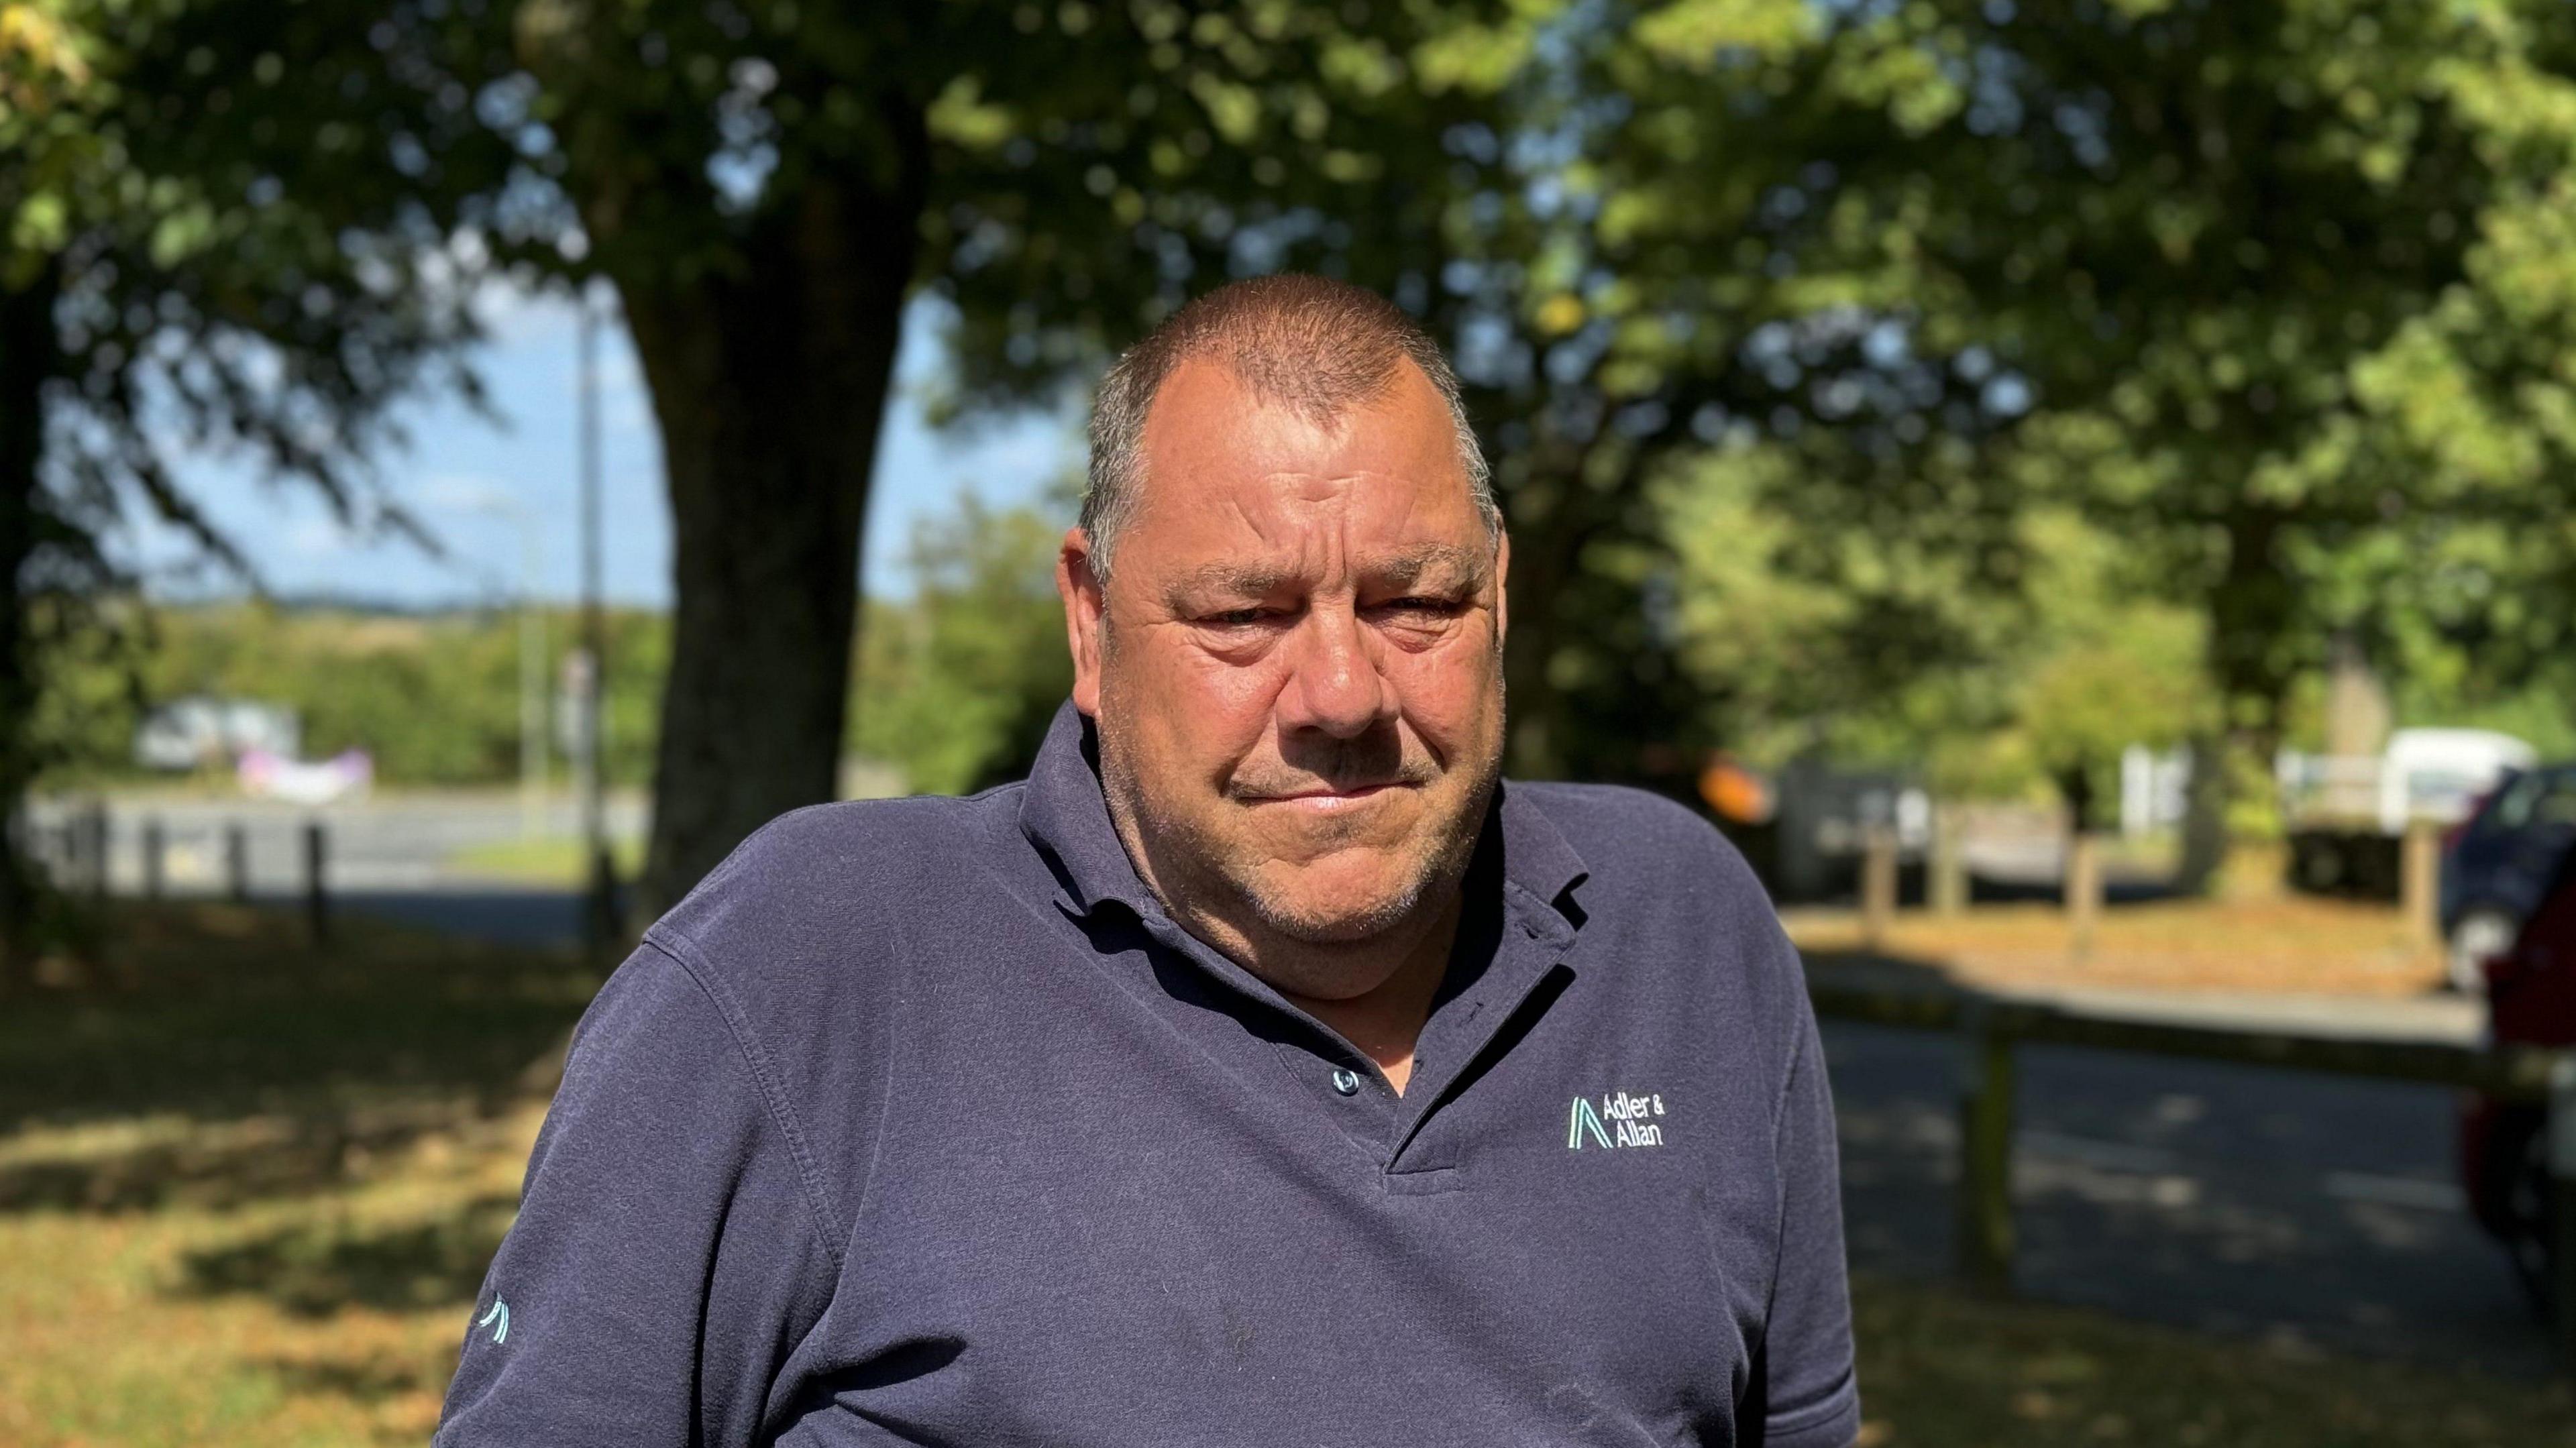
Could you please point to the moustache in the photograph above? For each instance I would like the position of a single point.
(1283, 785)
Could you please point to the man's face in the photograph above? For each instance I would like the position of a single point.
(1297, 669)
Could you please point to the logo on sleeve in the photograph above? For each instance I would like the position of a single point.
(498, 1319)
(1620, 1120)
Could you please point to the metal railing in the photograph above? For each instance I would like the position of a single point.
(1992, 1028)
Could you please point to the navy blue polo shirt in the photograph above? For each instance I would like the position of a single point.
(921, 1122)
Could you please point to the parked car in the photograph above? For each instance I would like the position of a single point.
(2531, 1000)
(2499, 862)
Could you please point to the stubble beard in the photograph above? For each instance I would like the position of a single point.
(1197, 871)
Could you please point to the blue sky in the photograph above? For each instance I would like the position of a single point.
(484, 488)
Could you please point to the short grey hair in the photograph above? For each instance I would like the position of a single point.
(1318, 346)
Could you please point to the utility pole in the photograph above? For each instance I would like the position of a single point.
(600, 917)
(532, 699)
(532, 667)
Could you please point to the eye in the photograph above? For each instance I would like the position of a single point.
(1421, 604)
(1234, 617)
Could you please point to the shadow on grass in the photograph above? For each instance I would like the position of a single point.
(226, 1165)
(317, 1270)
(232, 1062)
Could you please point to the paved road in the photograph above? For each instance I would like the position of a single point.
(2238, 1199)
(391, 843)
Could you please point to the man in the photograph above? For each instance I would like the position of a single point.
(1261, 1071)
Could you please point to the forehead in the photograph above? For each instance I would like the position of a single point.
(1226, 470)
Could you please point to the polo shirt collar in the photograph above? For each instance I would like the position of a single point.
(1065, 816)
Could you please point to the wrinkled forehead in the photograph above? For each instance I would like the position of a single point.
(1230, 477)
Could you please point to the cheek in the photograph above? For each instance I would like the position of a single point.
(1195, 705)
(1450, 692)
(1232, 695)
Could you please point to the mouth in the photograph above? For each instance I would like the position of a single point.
(1327, 799)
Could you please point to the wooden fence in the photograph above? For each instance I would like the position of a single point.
(1991, 1029)
(75, 853)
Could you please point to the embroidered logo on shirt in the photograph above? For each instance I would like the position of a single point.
(498, 1319)
(1620, 1120)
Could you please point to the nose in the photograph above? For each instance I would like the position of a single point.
(1334, 685)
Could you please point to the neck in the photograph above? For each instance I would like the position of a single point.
(1393, 974)
(1387, 1020)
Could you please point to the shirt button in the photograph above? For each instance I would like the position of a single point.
(1346, 1082)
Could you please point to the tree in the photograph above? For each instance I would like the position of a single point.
(2192, 255)
(170, 274)
(1645, 287)
(1882, 646)
(765, 182)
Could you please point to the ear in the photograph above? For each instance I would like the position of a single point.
(1502, 589)
(1086, 608)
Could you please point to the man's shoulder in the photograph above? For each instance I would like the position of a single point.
(1635, 833)
(817, 881)
(1675, 895)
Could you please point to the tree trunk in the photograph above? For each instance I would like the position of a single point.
(2204, 814)
(769, 385)
(30, 355)
(2250, 611)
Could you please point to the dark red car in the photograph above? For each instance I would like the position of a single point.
(2531, 1000)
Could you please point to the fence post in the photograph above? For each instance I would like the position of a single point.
(237, 862)
(2419, 883)
(155, 845)
(1985, 1225)
(317, 905)
(1949, 864)
(2561, 1212)
(1877, 885)
(2083, 890)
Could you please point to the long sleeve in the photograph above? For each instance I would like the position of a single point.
(667, 1255)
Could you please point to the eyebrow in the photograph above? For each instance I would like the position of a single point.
(1246, 580)
(1406, 566)
(1403, 568)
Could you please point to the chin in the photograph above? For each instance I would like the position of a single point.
(1320, 909)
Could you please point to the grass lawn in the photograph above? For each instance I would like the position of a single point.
(1941, 1370)
(550, 860)
(246, 1197)
(247, 1193)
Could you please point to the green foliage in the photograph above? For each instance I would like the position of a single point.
(1858, 638)
(220, 272)
(186, 266)
(957, 684)
(2104, 663)
(1954, 383)
(2273, 294)
(435, 700)
(1878, 646)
